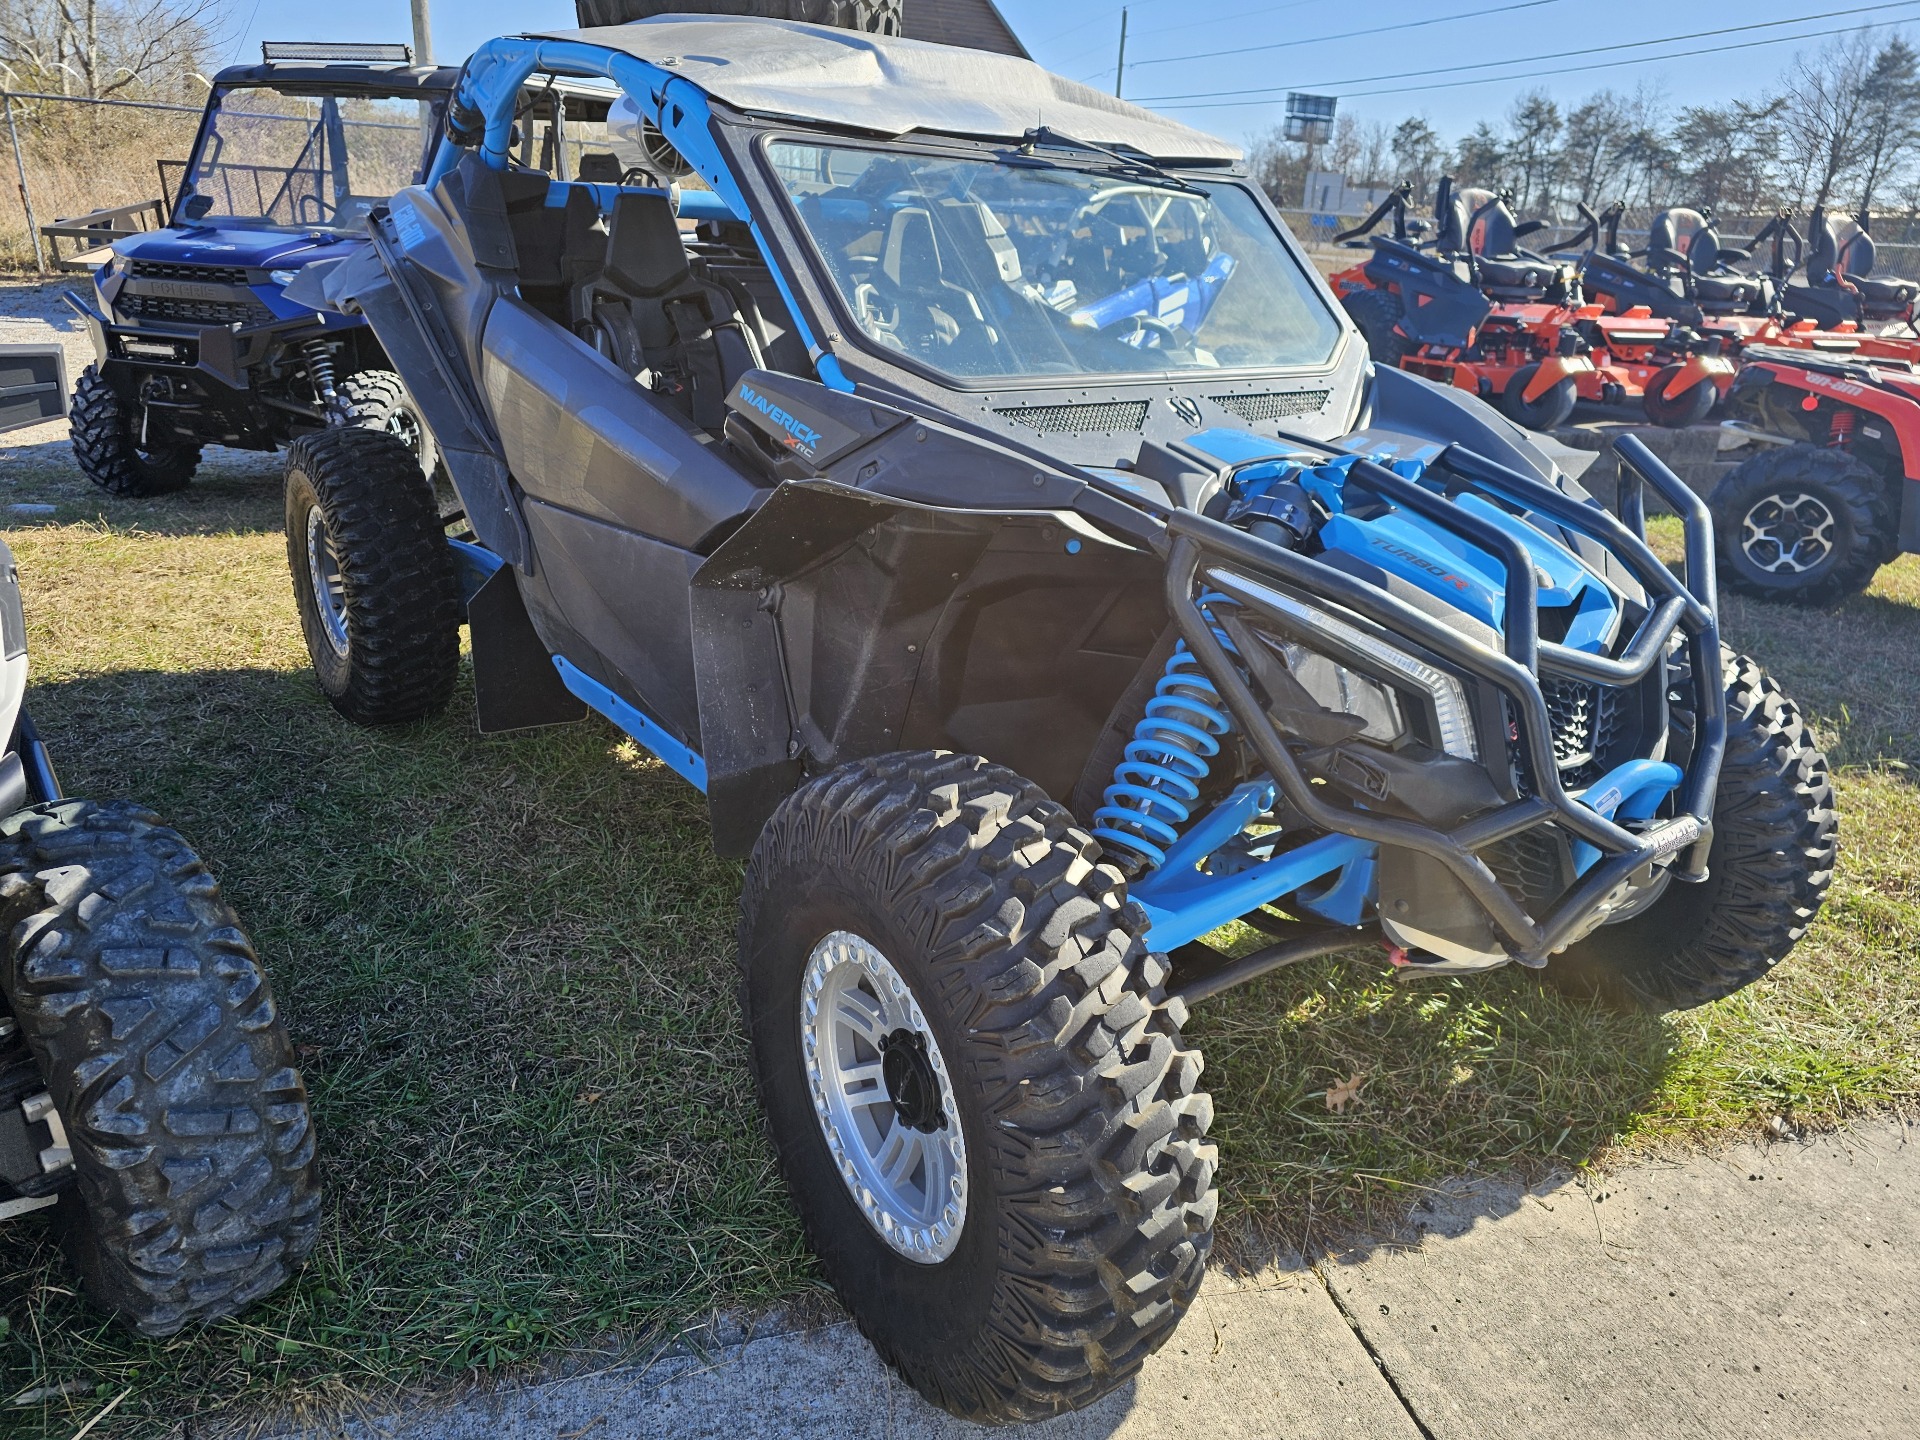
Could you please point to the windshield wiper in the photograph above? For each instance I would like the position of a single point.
(1136, 165)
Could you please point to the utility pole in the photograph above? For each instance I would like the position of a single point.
(422, 34)
(1120, 70)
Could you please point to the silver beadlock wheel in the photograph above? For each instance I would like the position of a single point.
(1788, 534)
(882, 1094)
(329, 585)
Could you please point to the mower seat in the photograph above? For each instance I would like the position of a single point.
(1854, 252)
(1507, 272)
(1683, 244)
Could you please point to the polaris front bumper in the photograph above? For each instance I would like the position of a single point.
(1208, 555)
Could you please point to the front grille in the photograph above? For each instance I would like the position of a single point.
(1534, 866)
(1586, 720)
(1280, 405)
(200, 274)
(198, 312)
(1089, 419)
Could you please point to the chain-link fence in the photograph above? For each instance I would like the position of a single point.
(72, 155)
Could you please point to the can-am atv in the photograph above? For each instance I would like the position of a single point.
(975, 493)
(1836, 494)
(148, 1095)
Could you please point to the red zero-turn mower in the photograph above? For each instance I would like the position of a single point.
(1836, 493)
(1474, 310)
(1691, 279)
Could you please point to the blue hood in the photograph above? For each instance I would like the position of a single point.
(280, 249)
(1577, 607)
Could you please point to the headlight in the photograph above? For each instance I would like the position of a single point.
(1339, 688)
(283, 278)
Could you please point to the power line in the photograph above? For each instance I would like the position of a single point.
(1555, 70)
(1270, 90)
(1347, 34)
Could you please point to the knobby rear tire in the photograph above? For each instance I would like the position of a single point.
(145, 1006)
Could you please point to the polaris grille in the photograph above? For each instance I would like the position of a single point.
(1087, 419)
(200, 312)
(203, 274)
(1280, 405)
(1533, 865)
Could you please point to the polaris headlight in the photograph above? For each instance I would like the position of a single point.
(1339, 688)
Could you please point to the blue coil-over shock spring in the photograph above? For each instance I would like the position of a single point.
(1156, 786)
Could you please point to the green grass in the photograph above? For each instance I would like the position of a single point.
(507, 964)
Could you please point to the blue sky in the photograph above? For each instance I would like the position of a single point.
(1246, 45)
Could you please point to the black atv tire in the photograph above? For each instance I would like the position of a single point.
(1827, 482)
(1376, 313)
(1677, 412)
(101, 430)
(1090, 1199)
(1545, 415)
(386, 646)
(378, 400)
(146, 1009)
(875, 17)
(1770, 865)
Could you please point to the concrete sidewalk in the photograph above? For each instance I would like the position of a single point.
(1766, 1291)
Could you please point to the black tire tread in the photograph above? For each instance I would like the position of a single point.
(1854, 487)
(403, 599)
(1774, 844)
(1098, 1104)
(101, 433)
(146, 1006)
(1376, 313)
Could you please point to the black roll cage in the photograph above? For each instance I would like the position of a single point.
(1193, 542)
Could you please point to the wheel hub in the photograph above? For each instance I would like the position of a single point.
(404, 426)
(879, 1085)
(1788, 533)
(911, 1084)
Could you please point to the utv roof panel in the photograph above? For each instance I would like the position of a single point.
(819, 75)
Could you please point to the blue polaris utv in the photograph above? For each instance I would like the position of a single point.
(967, 484)
(197, 341)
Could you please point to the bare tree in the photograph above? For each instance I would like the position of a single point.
(101, 48)
(1824, 113)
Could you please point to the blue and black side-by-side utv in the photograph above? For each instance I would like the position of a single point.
(968, 485)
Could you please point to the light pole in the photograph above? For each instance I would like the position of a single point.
(1120, 70)
(422, 34)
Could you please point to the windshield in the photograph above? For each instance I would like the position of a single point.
(311, 161)
(996, 269)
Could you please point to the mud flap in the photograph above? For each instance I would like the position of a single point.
(515, 686)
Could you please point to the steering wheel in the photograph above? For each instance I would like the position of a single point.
(1128, 326)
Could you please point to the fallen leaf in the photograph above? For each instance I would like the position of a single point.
(1342, 1093)
(589, 1097)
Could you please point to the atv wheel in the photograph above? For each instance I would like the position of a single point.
(1800, 523)
(989, 1126)
(107, 453)
(1770, 864)
(1376, 313)
(1677, 412)
(153, 1027)
(1549, 412)
(377, 400)
(372, 576)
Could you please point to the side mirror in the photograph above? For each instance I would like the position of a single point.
(198, 207)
